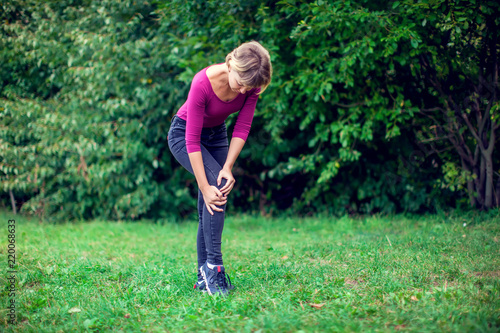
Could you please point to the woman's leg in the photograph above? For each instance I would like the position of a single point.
(216, 144)
(212, 225)
(200, 240)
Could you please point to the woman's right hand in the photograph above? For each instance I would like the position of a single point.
(213, 198)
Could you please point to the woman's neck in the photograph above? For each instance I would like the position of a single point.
(218, 76)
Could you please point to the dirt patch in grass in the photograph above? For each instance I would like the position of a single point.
(352, 283)
(494, 274)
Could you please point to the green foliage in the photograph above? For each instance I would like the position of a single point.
(88, 89)
(453, 62)
(86, 139)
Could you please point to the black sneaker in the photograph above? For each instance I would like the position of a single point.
(225, 281)
(216, 280)
(200, 286)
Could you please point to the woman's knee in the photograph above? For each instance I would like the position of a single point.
(212, 176)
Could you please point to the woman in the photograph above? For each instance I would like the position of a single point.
(198, 140)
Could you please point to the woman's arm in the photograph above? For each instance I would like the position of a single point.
(234, 151)
(196, 103)
(240, 135)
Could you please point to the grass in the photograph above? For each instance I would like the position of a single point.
(373, 274)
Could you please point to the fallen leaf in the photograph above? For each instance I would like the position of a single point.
(414, 298)
(463, 235)
(350, 282)
(284, 257)
(127, 315)
(317, 306)
(74, 309)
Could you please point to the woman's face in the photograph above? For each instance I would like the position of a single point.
(235, 82)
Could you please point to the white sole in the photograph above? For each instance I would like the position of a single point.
(206, 281)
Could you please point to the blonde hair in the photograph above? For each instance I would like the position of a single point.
(253, 64)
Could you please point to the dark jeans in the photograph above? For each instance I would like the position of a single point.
(214, 149)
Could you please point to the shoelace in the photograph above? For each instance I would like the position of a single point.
(223, 280)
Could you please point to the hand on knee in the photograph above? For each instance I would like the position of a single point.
(213, 197)
(225, 181)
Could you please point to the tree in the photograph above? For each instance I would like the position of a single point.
(362, 65)
(88, 89)
(455, 66)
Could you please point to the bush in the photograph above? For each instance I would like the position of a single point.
(89, 88)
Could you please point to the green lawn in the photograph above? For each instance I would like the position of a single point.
(373, 274)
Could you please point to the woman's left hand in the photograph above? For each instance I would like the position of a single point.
(225, 173)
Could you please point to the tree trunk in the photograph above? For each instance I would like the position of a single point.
(479, 181)
(13, 202)
(488, 198)
(470, 185)
(497, 193)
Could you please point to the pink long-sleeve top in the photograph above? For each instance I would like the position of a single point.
(204, 109)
